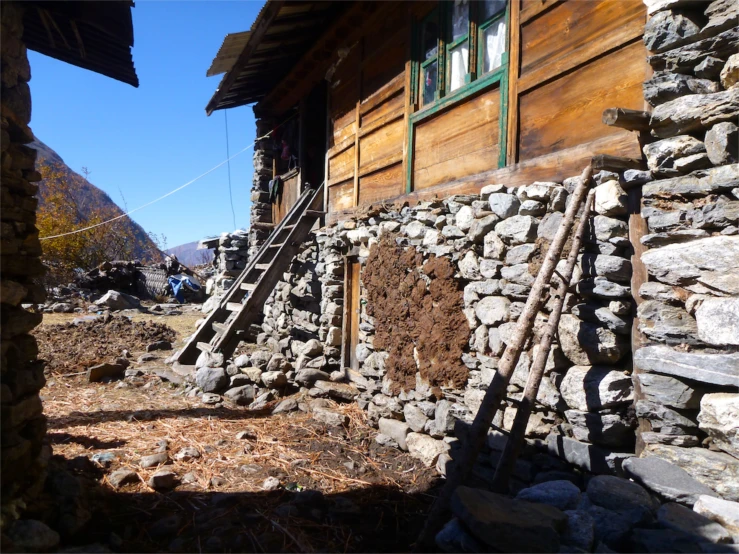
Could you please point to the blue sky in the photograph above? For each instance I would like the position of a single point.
(139, 143)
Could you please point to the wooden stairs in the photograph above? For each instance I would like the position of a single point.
(242, 304)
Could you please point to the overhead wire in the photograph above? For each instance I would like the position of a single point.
(170, 193)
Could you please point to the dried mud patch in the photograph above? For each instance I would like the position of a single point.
(418, 313)
(69, 347)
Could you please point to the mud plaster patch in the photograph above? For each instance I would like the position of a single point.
(416, 306)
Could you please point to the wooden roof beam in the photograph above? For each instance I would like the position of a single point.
(270, 13)
(345, 30)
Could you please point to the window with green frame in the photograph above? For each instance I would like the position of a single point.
(449, 34)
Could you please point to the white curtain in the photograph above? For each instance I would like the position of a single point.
(459, 64)
(495, 43)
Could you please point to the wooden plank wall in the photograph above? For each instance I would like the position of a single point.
(367, 113)
(288, 197)
(574, 59)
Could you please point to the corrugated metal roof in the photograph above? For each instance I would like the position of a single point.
(282, 33)
(94, 35)
(228, 53)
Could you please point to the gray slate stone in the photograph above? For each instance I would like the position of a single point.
(31, 535)
(504, 205)
(593, 388)
(694, 112)
(721, 511)
(717, 321)
(716, 369)
(579, 531)
(722, 143)
(665, 479)
(669, 29)
(518, 229)
(664, 86)
(670, 391)
(608, 429)
(621, 496)
(563, 495)
(212, 379)
(678, 517)
(664, 419)
(716, 470)
(586, 343)
(719, 418)
(586, 456)
(614, 268)
(603, 316)
(665, 323)
(506, 524)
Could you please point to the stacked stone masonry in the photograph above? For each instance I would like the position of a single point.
(687, 375)
(21, 374)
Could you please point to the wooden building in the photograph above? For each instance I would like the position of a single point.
(399, 101)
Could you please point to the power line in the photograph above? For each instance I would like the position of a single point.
(230, 194)
(211, 170)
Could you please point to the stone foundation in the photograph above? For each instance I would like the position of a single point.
(23, 424)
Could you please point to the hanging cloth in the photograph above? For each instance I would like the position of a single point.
(275, 189)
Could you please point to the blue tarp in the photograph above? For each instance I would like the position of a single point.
(179, 281)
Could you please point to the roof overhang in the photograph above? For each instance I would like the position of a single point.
(283, 31)
(94, 35)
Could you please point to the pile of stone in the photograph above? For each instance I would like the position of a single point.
(231, 254)
(688, 373)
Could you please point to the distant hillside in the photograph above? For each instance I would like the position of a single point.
(189, 255)
(89, 198)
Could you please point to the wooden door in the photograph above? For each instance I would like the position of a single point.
(351, 314)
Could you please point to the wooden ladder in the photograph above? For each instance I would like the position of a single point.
(243, 302)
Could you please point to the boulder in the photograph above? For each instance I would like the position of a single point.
(614, 268)
(668, 29)
(504, 205)
(694, 113)
(716, 369)
(678, 517)
(274, 379)
(261, 358)
(579, 531)
(662, 155)
(243, 395)
(122, 476)
(212, 379)
(561, 494)
(697, 184)
(425, 448)
(730, 72)
(592, 388)
(99, 372)
(666, 323)
(330, 417)
(716, 470)
(612, 430)
(621, 496)
(608, 229)
(464, 218)
(586, 343)
(481, 227)
(455, 538)
(717, 321)
(585, 456)
(163, 480)
(719, 418)
(507, 524)
(493, 310)
(493, 247)
(610, 199)
(415, 417)
(337, 391)
(722, 143)
(664, 419)
(312, 348)
(115, 300)
(667, 480)
(397, 430)
(669, 391)
(31, 535)
(721, 511)
(308, 376)
(518, 229)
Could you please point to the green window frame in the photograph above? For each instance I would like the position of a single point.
(476, 80)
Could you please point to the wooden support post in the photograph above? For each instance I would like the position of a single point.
(518, 431)
(497, 388)
(631, 120)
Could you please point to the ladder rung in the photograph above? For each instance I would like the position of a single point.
(314, 213)
(248, 286)
(287, 228)
(277, 245)
(204, 347)
(234, 306)
(219, 328)
(261, 267)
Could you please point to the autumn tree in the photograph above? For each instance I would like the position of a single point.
(62, 211)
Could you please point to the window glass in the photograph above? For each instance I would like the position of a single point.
(430, 73)
(458, 64)
(460, 19)
(491, 7)
(430, 39)
(493, 44)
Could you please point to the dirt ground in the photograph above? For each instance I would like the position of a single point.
(338, 489)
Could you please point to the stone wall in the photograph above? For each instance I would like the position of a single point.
(23, 425)
(688, 373)
(261, 209)
(494, 243)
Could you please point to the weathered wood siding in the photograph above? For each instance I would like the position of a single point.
(569, 60)
(367, 113)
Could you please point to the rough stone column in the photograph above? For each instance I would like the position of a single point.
(261, 208)
(21, 374)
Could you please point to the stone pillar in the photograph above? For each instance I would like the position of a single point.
(21, 374)
(261, 208)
